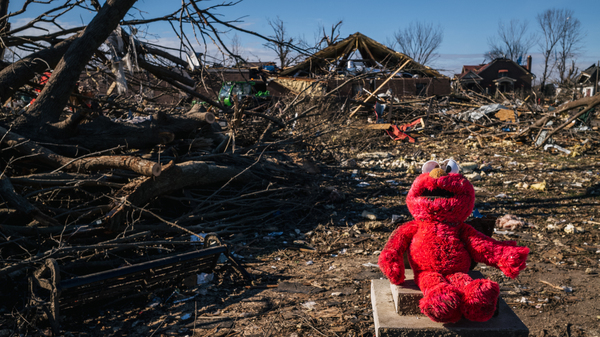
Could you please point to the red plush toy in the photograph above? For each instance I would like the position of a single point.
(440, 248)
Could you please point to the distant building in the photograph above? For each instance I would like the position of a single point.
(588, 81)
(502, 74)
(358, 64)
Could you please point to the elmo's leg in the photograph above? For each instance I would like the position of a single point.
(441, 301)
(479, 296)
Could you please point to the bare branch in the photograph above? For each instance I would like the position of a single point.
(420, 41)
(512, 41)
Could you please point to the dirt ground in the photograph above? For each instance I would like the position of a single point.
(313, 277)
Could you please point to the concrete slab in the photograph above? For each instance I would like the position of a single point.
(389, 324)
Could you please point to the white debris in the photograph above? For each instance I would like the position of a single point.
(204, 278)
(368, 215)
(309, 305)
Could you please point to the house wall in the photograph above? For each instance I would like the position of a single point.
(400, 87)
(416, 86)
(588, 91)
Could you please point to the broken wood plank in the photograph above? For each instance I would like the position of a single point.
(380, 86)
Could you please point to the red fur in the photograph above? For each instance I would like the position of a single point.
(440, 247)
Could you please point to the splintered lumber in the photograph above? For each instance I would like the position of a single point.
(174, 177)
(48, 157)
(381, 86)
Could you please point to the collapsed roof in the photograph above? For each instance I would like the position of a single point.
(336, 55)
(589, 76)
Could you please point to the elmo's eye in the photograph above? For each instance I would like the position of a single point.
(451, 167)
(429, 166)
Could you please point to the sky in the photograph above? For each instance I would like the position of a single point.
(466, 24)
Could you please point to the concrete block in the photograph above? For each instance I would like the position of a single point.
(407, 295)
(389, 324)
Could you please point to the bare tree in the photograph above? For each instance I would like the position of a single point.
(420, 41)
(236, 50)
(281, 43)
(554, 24)
(4, 27)
(391, 43)
(512, 41)
(568, 47)
(325, 39)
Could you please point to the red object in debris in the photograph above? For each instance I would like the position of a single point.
(43, 80)
(398, 132)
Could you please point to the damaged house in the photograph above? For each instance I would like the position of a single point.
(371, 63)
(501, 75)
(588, 81)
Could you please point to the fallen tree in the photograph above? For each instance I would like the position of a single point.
(586, 103)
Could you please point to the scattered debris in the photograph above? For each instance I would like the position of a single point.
(509, 221)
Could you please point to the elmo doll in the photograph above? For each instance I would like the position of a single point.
(441, 245)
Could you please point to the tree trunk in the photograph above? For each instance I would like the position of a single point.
(173, 178)
(19, 73)
(4, 26)
(24, 146)
(51, 101)
(102, 133)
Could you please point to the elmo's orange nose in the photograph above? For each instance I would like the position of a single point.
(437, 172)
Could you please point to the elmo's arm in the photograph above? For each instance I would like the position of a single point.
(506, 256)
(391, 259)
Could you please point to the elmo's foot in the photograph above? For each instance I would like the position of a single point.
(442, 304)
(480, 297)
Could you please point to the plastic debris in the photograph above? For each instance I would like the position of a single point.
(468, 167)
(473, 176)
(372, 265)
(496, 231)
(476, 213)
(204, 278)
(476, 114)
(155, 301)
(368, 215)
(559, 148)
(309, 305)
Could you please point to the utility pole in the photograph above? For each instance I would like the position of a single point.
(596, 84)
